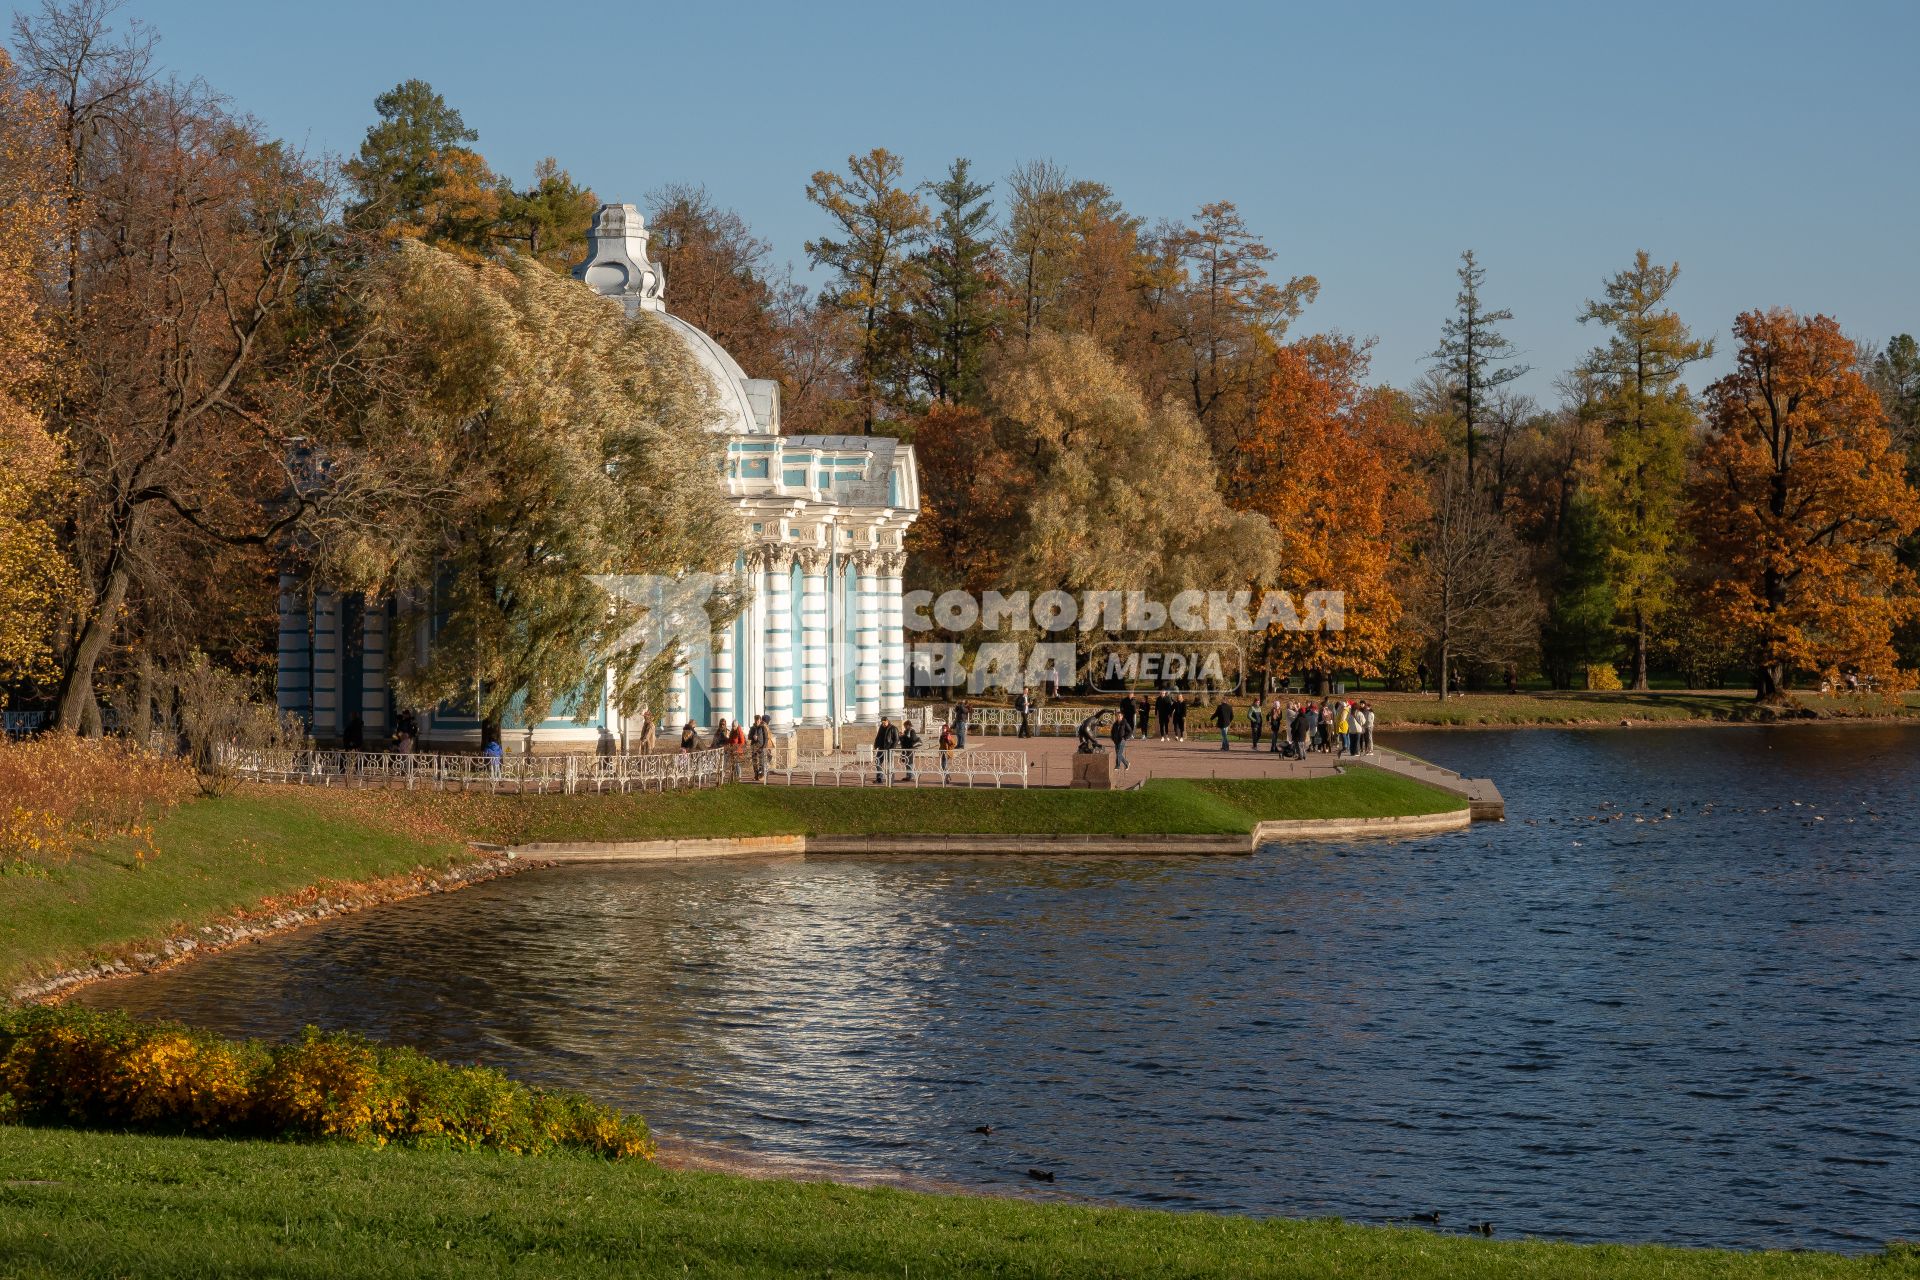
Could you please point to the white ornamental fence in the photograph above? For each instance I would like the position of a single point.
(569, 774)
(926, 766)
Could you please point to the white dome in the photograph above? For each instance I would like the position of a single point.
(729, 379)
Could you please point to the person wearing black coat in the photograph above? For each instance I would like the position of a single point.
(1223, 717)
(885, 739)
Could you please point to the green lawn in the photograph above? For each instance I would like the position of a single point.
(217, 857)
(232, 853)
(1161, 807)
(1578, 707)
(80, 1204)
(1406, 710)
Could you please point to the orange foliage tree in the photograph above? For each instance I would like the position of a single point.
(1327, 462)
(1799, 503)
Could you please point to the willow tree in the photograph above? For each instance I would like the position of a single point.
(1119, 494)
(1648, 419)
(545, 439)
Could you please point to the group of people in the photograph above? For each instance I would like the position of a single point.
(736, 740)
(1340, 726)
(894, 746)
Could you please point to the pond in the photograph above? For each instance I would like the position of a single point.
(1675, 997)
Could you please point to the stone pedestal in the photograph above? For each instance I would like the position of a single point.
(1093, 772)
(813, 739)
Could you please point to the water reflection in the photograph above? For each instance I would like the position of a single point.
(1696, 1026)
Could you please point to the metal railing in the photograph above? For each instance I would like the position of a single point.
(568, 774)
(924, 766)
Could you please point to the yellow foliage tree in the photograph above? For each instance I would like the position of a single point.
(34, 576)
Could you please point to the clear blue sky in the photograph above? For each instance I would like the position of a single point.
(1769, 147)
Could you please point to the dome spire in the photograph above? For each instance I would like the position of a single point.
(617, 266)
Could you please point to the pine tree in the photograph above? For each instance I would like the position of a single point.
(549, 220)
(956, 315)
(1579, 630)
(1471, 352)
(1648, 419)
(415, 177)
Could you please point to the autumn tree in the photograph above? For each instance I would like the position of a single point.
(543, 438)
(416, 177)
(879, 223)
(1325, 463)
(1474, 357)
(1648, 418)
(956, 312)
(1894, 374)
(1229, 315)
(181, 386)
(1799, 504)
(718, 276)
(35, 576)
(1073, 258)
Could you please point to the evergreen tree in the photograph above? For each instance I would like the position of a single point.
(415, 177)
(1579, 630)
(1648, 419)
(880, 224)
(549, 220)
(1471, 352)
(956, 316)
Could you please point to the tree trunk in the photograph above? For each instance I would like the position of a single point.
(78, 708)
(1639, 649)
(1446, 656)
(489, 731)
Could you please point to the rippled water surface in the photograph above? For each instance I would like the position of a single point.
(1702, 1027)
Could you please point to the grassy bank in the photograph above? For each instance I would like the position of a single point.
(77, 1204)
(1161, 807)
(262, 847)
(1545, 709)
(1406, 710)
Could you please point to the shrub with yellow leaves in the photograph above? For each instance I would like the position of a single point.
(86, 1068)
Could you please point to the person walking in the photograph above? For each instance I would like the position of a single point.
(1299, 731)
(1023, 707)
(1121, 730)
(1163, 713)
(1223, 717)
(719, 732)
(885, 739)
(960, 713)
(946, 749)
(1253, 720)
(1179, 717)
(1276, 726)
(1126, 709)
(757, 740)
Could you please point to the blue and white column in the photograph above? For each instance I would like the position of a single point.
(725, 705)
(776, 563)
(814, 709)
(676, 702)
(868, 656)
(893, 636)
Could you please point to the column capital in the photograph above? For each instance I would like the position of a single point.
(866, 561)
(893, 563)
(771, 556)
(812, 560)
